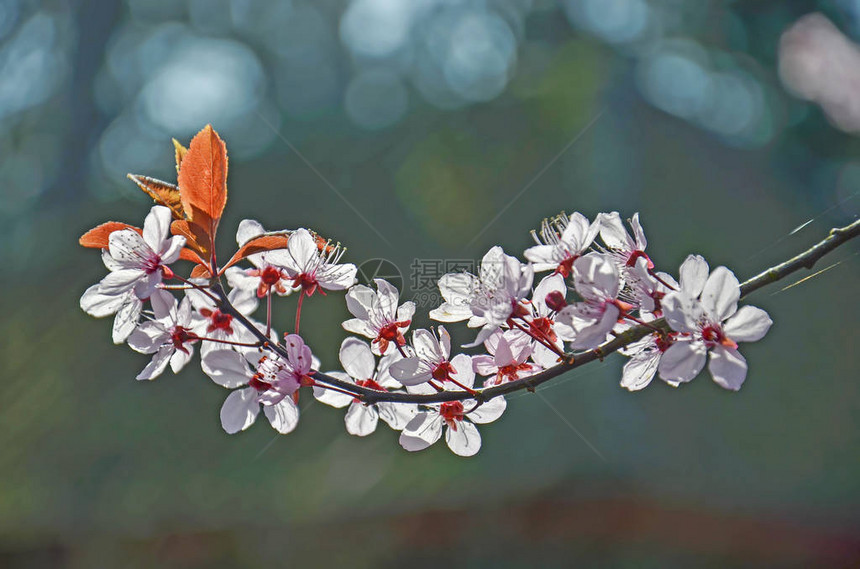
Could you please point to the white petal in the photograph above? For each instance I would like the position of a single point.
(422, 431)
(682, 361)
(728, 368)
(462, 364)
(465, 441)
(484, 365)
(239, 410)
(337, 277)
(128, 248)
(552, 283)
(407, 371)
(749, 324)
(458, 288)
(331, 397)
(360, 327)
(98, 304)
(543, 257)
(283, 416)
(592, 336)
(451, 312)
(169, 252)
(248, 229)
(159, 362)
(388, 297)
(693, 275)
(156, 226)
(397, 415)
(596, 277)
(126, 319)
(721, 293)
(227, 368)
(683, 312)
(302, 250)
(406, 311)
(359, 300)
(148, 337)
(360, 419)
(638, 232)
(357, 359)
(121, 281)
(640, 370)
(612, 232)
(487, 412)
(180, 358)
(427, 346)
(163, 304)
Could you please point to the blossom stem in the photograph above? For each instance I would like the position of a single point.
(299, 310)
(545, 342)
(269, 312)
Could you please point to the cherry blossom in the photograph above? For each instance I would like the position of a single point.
(214, 324)
(361, 369)
(137, 262)
(168, 336)
(377, 315)
(457, 419)
(562, 241)
(126, 307)
(311, 268)
(488, 300)
(265, 277)
(710, 322)
(542, 324)
(270, 383)
(431, 361)
(507, 359)
(623, 247)
(587, 323)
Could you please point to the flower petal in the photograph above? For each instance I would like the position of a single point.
(361, 419)
(283, 416)
(487, 412)
(749, 324)
(465, 441)
(682, 361)
(640, 370)
(158, 364)
(156, 226)
(728, 368)
(422, 431)
(227, 368)
(239, 410)
(693, 275)
(683, 312)
(721, 293)
(357, 359)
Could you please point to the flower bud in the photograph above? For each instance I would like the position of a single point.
(555, 301)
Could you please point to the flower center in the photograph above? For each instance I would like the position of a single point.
(452, 412)
(179, 335)
(370, 384)
(151, 264)
(270, 275)
(631, 260)
(712, 334)
(218, 320)
(444, 371)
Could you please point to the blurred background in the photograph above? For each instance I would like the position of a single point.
(434, 129)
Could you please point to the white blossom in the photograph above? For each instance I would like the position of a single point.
(377, 315)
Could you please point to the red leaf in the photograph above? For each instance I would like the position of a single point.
(200, 271)
(195, 236)
(203, 180)
(187, 254)
(258, 245)
(97, 237)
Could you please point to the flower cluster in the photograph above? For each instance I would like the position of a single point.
(598, 283)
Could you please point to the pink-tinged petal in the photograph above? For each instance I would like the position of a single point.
(388, 297)
(465, 441)
(484, 365)
(283, 416)
(226, 368)
(146, 286)
(422, 431)
(358, 326)
(121, 281)
(337, 277)
(612, 232)
(683, 312)
(148, 337)
(638, 232)
(543, 357)
(169, 253)
(357, 359)
(302, 251)
(360, 419)
(298, 354)
(359, 301)
(331, 397)
(158, 364)
(682, 361)
(99, 305)
(179, 358)
(462, 364)
(397, 415)
(126, 319)
(504, 356)
(749, 324)
(721, 293)
(248, 229)
(543, 257)
(693, 275)
(427, 346)
(163, 304)
(128, 248)
(595, 334)
(640, 370)
(595, 277)
(409, 371)
(156, 226)
(487, 412)
(728, 368)
(551, 283)
(564, 323)
(239, 410)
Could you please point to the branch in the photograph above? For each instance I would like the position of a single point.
(805, 260)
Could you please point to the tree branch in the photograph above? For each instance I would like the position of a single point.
(806, 260)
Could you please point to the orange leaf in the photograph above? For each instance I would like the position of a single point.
(187, 254)
(97, 237)
(200, 271)
(195, 237)
(164, 193)
(180, 153)
(258, 245)
(203, 180)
